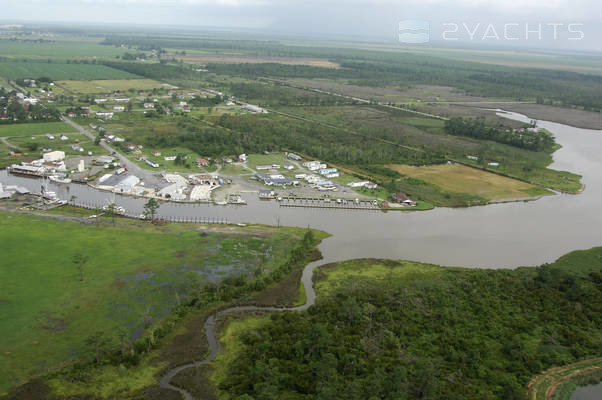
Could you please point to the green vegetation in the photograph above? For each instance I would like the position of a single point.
(560, 382)
(536, 141)
(462, 179)
(398, 329)
(66, 49)
(110, 85)
(37, 128)
(59, 71)
(135, 275)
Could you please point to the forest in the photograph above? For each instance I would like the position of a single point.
(476, 128)
(398, 330)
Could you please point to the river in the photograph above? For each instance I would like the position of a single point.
(498, 236)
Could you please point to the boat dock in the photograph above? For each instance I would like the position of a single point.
(341, 204)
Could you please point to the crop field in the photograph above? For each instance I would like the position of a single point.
(110, 85)
(209, 58)
(463, 179)
(29, 69)
(60, 49)
(31, 129)
(135, 274)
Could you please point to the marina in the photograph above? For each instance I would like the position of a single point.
(497, 235)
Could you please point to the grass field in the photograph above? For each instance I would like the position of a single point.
(265, 159)
(463, 179)
(19, 70)
(136, 273)
(189, 166)
(110, 85)
(22, 144)
(32, 129)
(60, 49)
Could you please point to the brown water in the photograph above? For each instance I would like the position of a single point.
(500, 235)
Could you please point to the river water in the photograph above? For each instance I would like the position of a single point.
(499, 236)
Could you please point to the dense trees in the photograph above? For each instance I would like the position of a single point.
(476, 128)
(448, 333)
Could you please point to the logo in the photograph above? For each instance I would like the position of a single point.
(414, 31)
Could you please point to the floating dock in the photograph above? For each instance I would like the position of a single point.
(340, 204)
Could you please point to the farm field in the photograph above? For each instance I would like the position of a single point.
(110, 85)
(59, 71)
(32, 129)
(136, 274)
(208, 58)
(463, 179)
(59, 49)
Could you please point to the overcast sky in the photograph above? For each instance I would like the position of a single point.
(477, 21)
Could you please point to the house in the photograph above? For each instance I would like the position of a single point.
(363, 184)
(49, 136)
(243, 158)
(77, 147)
(402, 198)
(183, 104)
(152, 164)
(104, 114)
(294, 157)
(63, 137)
(201, 162)
(314, 165)
(156, 153)
(289, 167)
(149, 105)
(254, 109)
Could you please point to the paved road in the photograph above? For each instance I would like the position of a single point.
(149, 177)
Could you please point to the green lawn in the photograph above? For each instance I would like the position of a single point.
(22, 143)
(37, 128)
(31, 69)
(135, 273)
(261, 159)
